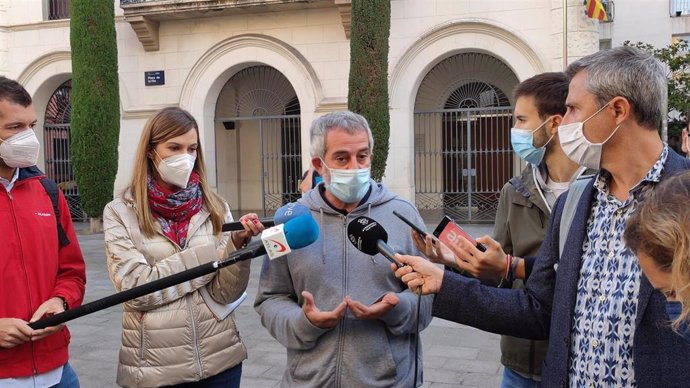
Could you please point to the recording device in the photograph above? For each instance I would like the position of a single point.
(371, 238)
(299, 232)
(416, 228)
(283, 214)
(449, 232)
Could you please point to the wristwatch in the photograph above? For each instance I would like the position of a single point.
(64, 303)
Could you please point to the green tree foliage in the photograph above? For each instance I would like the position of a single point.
(675, 57)
(95, 102)
(368, 83)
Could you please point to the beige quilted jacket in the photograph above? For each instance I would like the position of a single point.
(171, 336)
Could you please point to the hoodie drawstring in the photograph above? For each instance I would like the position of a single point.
(373, 259)
(323, 240)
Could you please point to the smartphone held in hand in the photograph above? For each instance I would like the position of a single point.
(449, 232)
(416, 228)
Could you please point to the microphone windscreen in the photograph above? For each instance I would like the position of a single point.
(301, 231)
(363, 232)
(289, 211)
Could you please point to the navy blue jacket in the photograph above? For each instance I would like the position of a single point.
(544, 309)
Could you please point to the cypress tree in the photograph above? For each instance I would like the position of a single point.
(95, 123)
(368, 82)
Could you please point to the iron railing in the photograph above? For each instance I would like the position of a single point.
(679, 7)
(463, 158)
(280, 163)
(58, 9)
(59, 166)
(57, 151)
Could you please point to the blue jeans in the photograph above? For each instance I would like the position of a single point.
(513, 380)
(69, 378)
(226, 379)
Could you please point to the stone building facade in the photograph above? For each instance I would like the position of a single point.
(255, 73)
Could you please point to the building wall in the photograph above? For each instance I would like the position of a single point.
(645, 21)
(309, 47)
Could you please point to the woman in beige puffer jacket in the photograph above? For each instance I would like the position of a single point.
(166, 222)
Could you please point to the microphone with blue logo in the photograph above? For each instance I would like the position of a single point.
(296, 229)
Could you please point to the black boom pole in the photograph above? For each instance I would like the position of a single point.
(251, 251)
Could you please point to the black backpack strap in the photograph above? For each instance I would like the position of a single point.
(52, 189)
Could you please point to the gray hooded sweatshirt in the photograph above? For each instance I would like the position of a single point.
(356, 352)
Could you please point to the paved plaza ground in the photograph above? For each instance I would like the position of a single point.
(454, 355)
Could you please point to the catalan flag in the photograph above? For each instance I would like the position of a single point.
(595, 10)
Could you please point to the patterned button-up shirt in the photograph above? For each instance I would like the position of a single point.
(608, 289)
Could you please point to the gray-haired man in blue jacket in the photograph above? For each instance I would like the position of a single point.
(606, 325)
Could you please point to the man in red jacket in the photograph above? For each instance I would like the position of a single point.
(39, 275)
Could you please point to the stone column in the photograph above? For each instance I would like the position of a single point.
(582, 33)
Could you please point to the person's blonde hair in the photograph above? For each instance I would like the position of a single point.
(660, 228)
(166, 124)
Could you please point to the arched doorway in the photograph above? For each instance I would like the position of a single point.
(58, 156)
(258, 142)
(462, 119)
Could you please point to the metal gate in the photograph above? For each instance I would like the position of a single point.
(281, 158)
(262, 100)
(58, 157)
(462, 159)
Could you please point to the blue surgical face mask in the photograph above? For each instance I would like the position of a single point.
(673, 309)
(522, 141)
(349, 186)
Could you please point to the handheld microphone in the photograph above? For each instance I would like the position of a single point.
(282, 239)
(371, 238)
(283, 214)
(299, 232)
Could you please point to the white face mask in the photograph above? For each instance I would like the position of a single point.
(20, 150)
(176, 169)
(577, 147)
(349, 186)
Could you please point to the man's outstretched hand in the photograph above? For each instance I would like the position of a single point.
(322, 319)
(374, 311)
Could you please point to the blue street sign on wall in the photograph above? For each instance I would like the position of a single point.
(156, 77)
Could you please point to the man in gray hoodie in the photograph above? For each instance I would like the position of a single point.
(344, 318)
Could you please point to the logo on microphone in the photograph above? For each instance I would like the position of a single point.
(275, 242)
(290, 208)
(276, 246)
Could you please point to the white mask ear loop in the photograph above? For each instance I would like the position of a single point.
(612, 133)
(594, 114)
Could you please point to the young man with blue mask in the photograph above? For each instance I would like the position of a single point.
(607, 326)
(342, 315)
(526, 201)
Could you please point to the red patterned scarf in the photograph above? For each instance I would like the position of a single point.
(174, 209)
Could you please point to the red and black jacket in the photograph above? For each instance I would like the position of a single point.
(34, 268)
